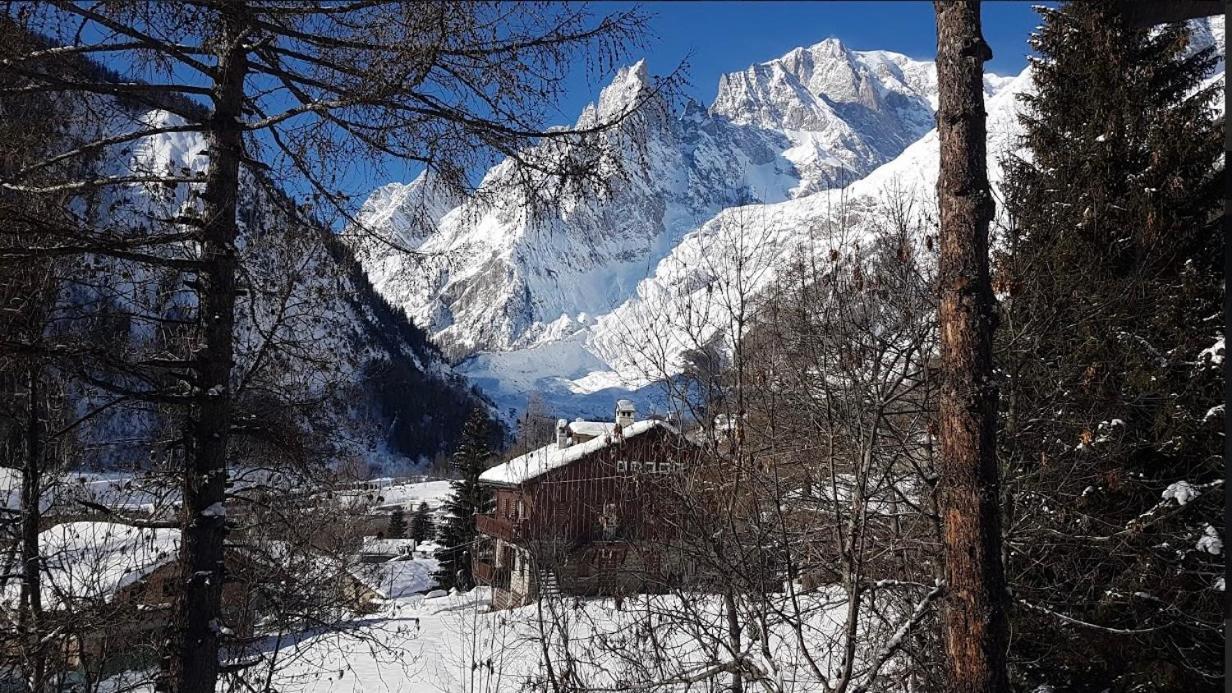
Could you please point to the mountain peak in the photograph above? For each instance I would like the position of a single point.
(832, 46)
(625, 89)
(409, 212)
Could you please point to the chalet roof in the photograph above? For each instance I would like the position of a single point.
(95, 560)
(592, 428)
(536, 463)
(387, 547)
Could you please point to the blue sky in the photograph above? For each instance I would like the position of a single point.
(718, 37)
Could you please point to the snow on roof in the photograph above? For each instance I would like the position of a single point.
(384, 546)
(592, 428)
(95, 560)
(545, 459)
(10, 488)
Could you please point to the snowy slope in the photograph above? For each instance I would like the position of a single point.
(456, 644)
(309, 325)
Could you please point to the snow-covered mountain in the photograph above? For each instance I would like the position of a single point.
(574, 304)
(488, 275)
(309, 325)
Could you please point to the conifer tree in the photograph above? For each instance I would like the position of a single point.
(397, 524)
(469, 498)
(1112, 281)
(421, 523)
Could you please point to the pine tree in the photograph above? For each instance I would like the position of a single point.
(397, 524)
(1112, 278)
(468, 498)
(421, 523)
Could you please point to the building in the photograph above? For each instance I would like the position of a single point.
(586, 514)
(377, 549)
(108, 591)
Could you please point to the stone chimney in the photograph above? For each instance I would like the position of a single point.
(625, 413)
(562, 434)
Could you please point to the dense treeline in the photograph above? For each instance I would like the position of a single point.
(421, 407)
(1112, 274)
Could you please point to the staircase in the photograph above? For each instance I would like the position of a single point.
(545, 582)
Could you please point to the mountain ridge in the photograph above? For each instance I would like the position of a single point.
(487, 276)
(873, 111)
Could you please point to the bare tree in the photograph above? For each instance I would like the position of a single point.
(975, 622)
(806, 529)
(277, 88)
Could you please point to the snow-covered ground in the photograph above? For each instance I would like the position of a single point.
(398, 579)
(456, 644)
(406, 495)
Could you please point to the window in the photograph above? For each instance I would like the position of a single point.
(665, 467)
(635, 466)
(649, 467)
(622, 465)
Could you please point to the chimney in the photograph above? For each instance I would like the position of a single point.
(562, 434)
(625, 413)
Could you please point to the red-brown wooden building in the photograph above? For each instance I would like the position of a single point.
(590, 513)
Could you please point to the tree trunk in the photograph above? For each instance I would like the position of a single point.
(974, 626)
(195, 654)
(733, 640)
(31, 595)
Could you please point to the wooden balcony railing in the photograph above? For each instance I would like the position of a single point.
(496, 527)
(488, 574)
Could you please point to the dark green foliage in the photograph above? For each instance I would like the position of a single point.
(469, 498)
(1112, 286)
(423, 412)
(422, 527)
(397, 524)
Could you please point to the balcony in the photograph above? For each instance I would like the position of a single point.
(497, 527)
(488, 574)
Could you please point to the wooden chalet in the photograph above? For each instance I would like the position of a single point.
(590, 513)
(108, 590)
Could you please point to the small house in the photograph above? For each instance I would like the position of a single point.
(109, 590)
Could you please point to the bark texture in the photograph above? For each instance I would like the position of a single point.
(30, 617)
(974, 623)
(195, 664)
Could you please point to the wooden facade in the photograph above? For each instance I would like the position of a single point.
(103, 634)
(600, 524)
